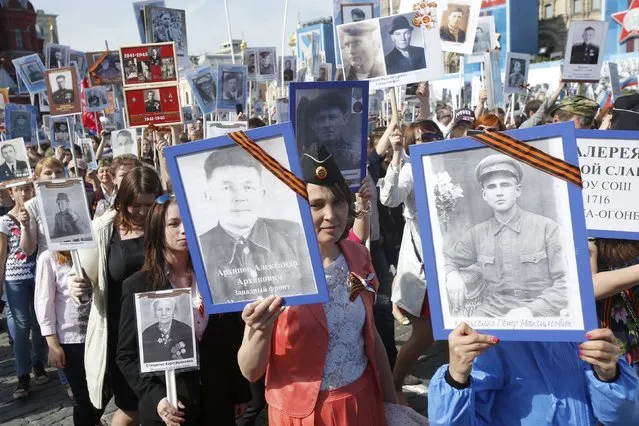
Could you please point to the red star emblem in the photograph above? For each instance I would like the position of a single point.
(629, 21)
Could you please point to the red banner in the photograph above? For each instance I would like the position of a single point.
(148, 63)
(152, 105)
(492, 3)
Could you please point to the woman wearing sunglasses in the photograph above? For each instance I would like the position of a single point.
(207, 396)
(409, 288)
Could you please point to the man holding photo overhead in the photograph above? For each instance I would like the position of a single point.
(404, 57)
(247, 256)
(515, 258)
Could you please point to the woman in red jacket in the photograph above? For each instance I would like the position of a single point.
(324, 364)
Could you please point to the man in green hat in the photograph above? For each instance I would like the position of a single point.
(518, 253)
(577, 109)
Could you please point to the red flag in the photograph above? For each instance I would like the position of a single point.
(89, 118)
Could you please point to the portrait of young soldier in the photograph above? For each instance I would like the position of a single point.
(20, 125)
(246, 253)
(586, 52)
(453, 30)
(67, 222)
(517, 254)
(62, 94)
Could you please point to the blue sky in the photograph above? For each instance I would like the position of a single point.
(86, 24)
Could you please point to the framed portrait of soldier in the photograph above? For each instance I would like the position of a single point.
(14, 161)
(231, 87)
(60, 131)
(457, 20)
(67, 221)
(356, 12)
(149, 64)
(516, 76)
(250, 60)
(21, 122)
(107, 68)
(584, 50)
(43, 102)
(290, 64)
(187, 114)
(96, 99)
(250, 234)
(323, 72)
(158, 105)
(334, 114)
(124, 142)
(31, 70)
(485, 39)
(88, 153)
(164, 25)
(216, 129)
(203, 84)
(56, 55)
(608, 161)
(138, 10)
(166, 330)
(63, 92)
(81, 62)
(505, 247)
(266, 65)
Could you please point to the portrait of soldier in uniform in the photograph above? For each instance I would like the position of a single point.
(356, 12)
(288, 70)
(482, 39)
(586, 52)
(20, 125)
(122, 143)
(95, 98)
(453, 28)
(165, 29)
(232, 86)
(514, 262)
(63, 94)
(32, 72)
(361, 50)
(206, 88)
(516, 76)
(403, 57)
(151, 104)
(67, 222)
(266, 63)
(245, 253)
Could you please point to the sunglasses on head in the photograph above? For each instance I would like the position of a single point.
(164, 198)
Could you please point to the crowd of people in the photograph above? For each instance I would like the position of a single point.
(331, 364)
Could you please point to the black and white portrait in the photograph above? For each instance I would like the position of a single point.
(152, 100)
(88, 154)
(325, 116)
(109, 70)
(96, 98)
(454, 23)
(248, 224)
(266, 61)
(57, 56)
(502, 233)
(67, 219)
(166, 25)
(457, 23)
(124, 142)
(586, 49)
(43, 102)
(324, 72)
(361, 48)
(61, 132)
(250, 60)
(289, 67)
(168, 68)
(187, 114)
(19, 124)
(485, 39)
(205, 88)
(166, 334)
(62, 85)
(14, 162)
(131, 70)
(403, 44)
(356, 12)
(516, 72)
(32, 71)
(232, 86)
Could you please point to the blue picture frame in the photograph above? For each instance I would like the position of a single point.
(581, 266)
(70, 123)
(174, 153)
(297, 88)
(31, 85)
(229, 101)
(592, 190)
(207, 107)
(138, 11)
(12, 132)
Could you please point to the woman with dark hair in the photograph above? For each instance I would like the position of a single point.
(106, 190)
(324, 364)
(409, 287)
(119, 253)
(489, 123)
(167, 264)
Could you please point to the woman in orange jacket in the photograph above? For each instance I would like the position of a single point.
(324, 364)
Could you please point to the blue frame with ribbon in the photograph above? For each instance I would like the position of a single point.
(582, 316)
(178, 153)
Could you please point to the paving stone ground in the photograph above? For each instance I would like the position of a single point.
(49, 404)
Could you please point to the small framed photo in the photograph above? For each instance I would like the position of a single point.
(148, 64)
(86, 144)
(20, 121)
(608, 162)
(80, 59)
(458, 21)
(334, 114)
(14, 161)
(31, 70)
(166, 330)
(187, 114)
(585, 50)
(485, 39)
(164, 25)
(124, 142)
(63, 92)
(43, 102)
(203, 84)
(231, 86)
(108, 70)
(67, 221)
(278, 254)
(250, 60)
(290, 63)
(266, 64)
(356, 12)
(138, 10)
(216, 129)
(56, 55)
(158, 105)
(517, 65)
(324, 72)
(60, 131)
(504, 244)
(96, 98)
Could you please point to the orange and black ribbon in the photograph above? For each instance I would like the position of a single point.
(530, 155)
(96, 64)
(280, 172)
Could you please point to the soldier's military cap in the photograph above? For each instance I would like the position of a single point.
(498, 163)
(62, 197)
(361, 28)
(577, 105)
(327, 100)
(319, 166)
